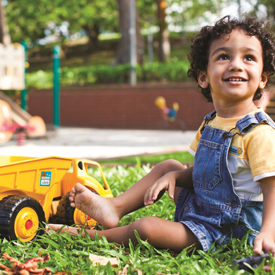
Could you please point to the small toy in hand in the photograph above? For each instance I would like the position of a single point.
(253, 261)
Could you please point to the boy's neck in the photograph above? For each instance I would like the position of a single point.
(237, 110)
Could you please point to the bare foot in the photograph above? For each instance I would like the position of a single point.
(97, 207)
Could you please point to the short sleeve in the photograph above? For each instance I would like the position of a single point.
(195, 142)
(261, 153)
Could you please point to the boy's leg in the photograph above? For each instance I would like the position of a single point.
(108, 212)
(158, 232)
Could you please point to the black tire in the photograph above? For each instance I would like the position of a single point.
(13, 205)
(60, 216)
(70, 215)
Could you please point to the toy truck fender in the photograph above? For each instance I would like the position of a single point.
(79, 173)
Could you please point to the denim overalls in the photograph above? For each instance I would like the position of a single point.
(212, 210)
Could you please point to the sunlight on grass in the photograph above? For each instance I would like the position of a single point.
(111, 35)
(71, 253)
(184, 157)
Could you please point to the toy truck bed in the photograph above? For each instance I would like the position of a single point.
(41, 183)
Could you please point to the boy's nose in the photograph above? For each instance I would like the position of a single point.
(235, 65)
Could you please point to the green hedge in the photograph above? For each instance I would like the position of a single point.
(170, 71)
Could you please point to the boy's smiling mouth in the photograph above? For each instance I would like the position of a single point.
(235, 79)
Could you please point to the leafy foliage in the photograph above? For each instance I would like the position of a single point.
(71, 253)
(104, 74)
(29, 19)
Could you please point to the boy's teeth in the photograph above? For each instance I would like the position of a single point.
(235, 79)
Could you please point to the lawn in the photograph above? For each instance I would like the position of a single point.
(184, 157)
(70, 254)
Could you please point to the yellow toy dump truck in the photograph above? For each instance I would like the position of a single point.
(34, 190)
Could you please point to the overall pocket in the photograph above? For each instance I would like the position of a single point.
(206, 173)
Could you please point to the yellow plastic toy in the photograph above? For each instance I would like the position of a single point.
(166, 113)
(33, 190)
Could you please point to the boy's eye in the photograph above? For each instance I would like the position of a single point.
(223, 57)
(249, 58)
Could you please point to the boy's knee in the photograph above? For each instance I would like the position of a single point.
(143, 227)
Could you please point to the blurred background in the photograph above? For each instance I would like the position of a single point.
(104, 63)
(94, 34)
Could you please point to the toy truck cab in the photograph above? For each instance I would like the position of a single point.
(79, 172)
(34, 190)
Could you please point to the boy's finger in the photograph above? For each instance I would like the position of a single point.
(171, 191)
(258, 246)
(269, 247)
(156, 191)
(146, 197)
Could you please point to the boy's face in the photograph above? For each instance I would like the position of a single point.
(235, 66)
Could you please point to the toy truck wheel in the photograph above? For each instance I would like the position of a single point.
(75, 216)
(70, 215)
(21, 217)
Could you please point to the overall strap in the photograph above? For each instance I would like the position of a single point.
(210, 116)
(207, 118)
(252, 120)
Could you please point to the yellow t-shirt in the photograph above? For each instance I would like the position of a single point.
(251, 156)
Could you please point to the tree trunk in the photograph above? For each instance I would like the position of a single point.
(163, 37)
(123, 52)
(92, 33)
(4, 30)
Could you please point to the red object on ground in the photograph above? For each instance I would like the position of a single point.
(21, 136)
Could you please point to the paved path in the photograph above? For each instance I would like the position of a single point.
(100, 143)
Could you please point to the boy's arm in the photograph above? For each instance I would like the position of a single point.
(265, 239)
(184, 178)
(181, 178)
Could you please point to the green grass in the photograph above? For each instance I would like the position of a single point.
(71, 253)
(184, 157)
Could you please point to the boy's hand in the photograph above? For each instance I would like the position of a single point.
(166, 182)
(264, 242)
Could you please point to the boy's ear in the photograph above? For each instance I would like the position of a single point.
(263, 80)
(202, 79)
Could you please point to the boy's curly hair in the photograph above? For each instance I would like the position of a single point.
(199, 53)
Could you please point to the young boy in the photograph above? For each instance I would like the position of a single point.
(231, 188)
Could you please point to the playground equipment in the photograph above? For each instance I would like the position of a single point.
(12, 67)
(13, 119)
(33, 190)
(167, 114)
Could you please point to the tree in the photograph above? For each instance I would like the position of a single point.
(123, 52)
(164, 44)
(264, 8)
(4, 31)
(191, 14)
(92, 16)
(28, 19)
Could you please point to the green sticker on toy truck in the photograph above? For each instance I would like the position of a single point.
(45, 178)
